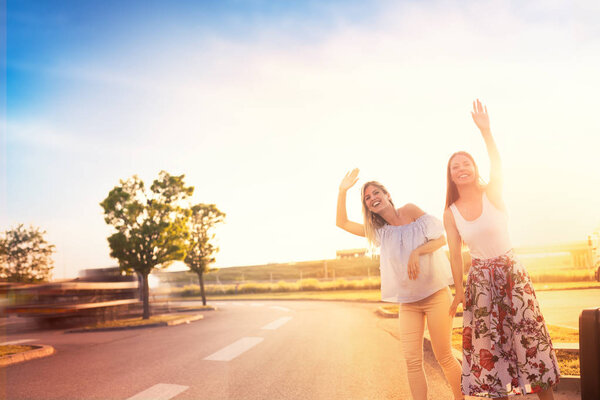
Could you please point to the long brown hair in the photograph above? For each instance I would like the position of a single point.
(451, 189)
(372, 221)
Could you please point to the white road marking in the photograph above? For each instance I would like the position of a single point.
(235, 349)
(280, 308)
(277, 323)
(18, 341)
(160, 391)
(256, 304)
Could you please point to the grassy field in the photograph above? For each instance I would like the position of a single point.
(355, 273)
(319, 269)
(340, 288)
(549, 267)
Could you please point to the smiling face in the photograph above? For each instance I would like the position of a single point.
(463, 170)
(376, 199)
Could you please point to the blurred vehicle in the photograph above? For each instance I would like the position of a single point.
(96, 295)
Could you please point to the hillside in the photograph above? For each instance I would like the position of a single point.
(335, 268)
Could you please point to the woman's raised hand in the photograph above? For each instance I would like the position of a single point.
(350, 179)
(480, 116)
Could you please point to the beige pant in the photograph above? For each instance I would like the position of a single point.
(439, 323)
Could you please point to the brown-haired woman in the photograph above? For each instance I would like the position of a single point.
(506, 347)
(414, 273)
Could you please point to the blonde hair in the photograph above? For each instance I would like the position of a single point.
(372, 221)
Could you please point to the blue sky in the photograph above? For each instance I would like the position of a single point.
(47, 34)
(265, 105)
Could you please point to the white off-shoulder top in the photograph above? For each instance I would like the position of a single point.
(396, 244)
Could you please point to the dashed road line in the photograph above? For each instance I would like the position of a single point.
(18, 341)
(230, 352)
(160, 391)
(277, 323)
(280, 308)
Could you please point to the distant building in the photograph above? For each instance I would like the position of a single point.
(594, 244)
(351, 253)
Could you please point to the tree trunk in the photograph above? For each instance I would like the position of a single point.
(201, 283)
(145, 297)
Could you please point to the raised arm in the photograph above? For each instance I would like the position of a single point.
(341, 219)
(454, 245)
(482, 120)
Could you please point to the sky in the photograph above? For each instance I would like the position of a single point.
(264, 106)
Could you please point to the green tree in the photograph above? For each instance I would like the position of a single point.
(25, 256)
(151, 225)
(201, 251)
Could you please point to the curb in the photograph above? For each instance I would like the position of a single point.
(208, 308)
(39, 351)
(183, 320)
(169, 309)
(568, 383)
(382, 312)
(366, 301)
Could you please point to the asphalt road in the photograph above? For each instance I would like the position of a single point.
(245, 350)
(563, 307)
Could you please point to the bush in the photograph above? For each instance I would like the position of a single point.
(309, 284)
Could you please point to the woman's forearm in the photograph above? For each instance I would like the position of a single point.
(494, 155)
(431, 246)
(456, 263)
(341, 219)
(341, 215)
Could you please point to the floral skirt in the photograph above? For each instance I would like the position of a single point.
(506, 346)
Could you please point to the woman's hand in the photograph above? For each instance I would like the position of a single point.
(413, 265)
(350, 179)
(480, 116)
(459, 297)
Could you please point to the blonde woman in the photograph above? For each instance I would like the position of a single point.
(506, 347)
(414, 273)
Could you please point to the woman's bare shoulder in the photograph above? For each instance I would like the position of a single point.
(412, 210)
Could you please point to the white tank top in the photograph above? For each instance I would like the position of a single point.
(487, 235)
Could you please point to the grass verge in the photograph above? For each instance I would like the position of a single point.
(138, 321)
(353, 295)
(7, 350)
